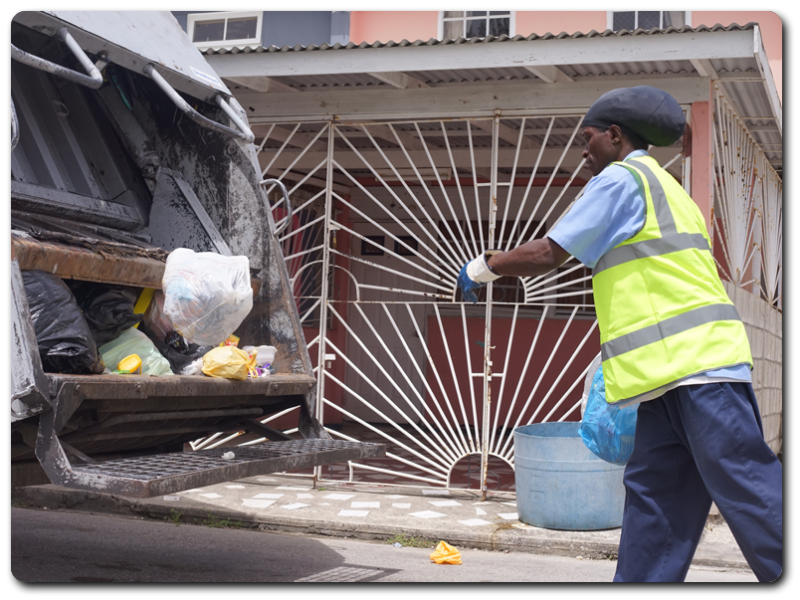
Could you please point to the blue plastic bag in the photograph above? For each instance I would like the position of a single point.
(607, 430)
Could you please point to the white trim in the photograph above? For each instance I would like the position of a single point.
(595, 50)
(193, 18)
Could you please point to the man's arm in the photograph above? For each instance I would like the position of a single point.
(533, 258)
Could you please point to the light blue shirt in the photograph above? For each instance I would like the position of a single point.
(611, 211)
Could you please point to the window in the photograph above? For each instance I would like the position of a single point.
(224, 28)
(648, 19)
(455, 24)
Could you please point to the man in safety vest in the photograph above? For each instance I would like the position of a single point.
(671, 341)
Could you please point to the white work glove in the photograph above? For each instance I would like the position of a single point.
(475, 274)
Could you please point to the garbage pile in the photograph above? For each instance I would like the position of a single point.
(186, 328)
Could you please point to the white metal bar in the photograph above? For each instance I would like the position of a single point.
(386, 269)
(385, 434)
(388, 455)
(398, 473)
(467, 220)
(524, 369)
(575, 406)
(672, 160)
(409, 292)
(487, 343)
(431, 236)
(302, 228)
(457, 252)
(326, 262)
(558, 199)
(377, 388)
(197, 445)
(462, 249)
(310, 311)
(438, 426)
(445, 268)
(511, 180)
(443, 275)
(411, 386)
(521, 238)
(278, 153)
(264, 141)
(475, 187)
(432, 365)
(559, 286)
(540, 378)
(536, 282)
(470, 385)
(222, 441)
(467, 447)
(563, 372)
(506, 364)
(302, 152)
(567, 295)
(524, 200)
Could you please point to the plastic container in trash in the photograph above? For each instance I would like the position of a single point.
(265, 354)
(560, 484)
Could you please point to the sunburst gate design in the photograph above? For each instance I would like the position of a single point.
(385, 215)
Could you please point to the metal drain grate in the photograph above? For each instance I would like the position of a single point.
(160, 474)
(342, 575)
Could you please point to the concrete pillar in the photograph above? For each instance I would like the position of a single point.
(703, 159)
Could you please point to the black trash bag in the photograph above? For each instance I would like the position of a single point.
(178, 354)
(65, 341)
(108, 309)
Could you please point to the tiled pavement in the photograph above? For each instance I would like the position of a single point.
(377, 506)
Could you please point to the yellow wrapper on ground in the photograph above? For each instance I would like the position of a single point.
(228, 362)
(445, 554)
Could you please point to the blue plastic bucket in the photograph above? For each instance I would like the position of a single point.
(561, 484)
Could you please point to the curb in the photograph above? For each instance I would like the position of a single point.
(505, 538)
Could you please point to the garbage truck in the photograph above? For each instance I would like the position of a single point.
(126, 146)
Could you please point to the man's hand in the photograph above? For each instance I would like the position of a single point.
(474, 275)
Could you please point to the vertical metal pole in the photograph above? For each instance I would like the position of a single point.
(687, 163)
(323, 306)
(487, 340)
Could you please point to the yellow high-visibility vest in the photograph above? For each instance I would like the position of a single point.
(663, 313)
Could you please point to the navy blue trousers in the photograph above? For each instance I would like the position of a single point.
(695, 444)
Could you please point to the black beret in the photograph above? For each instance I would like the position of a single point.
(645, 111)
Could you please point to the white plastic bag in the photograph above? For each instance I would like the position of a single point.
(193, 368)
(587, 383)
(133, 341)
(206, 295)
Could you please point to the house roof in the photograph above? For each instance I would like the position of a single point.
(485, 40)
(574, 68)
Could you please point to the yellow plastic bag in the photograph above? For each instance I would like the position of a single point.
(445, 554)
(228, 362)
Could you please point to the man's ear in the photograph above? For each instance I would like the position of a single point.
(616, 134)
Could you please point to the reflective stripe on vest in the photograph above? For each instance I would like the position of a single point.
(672, 326)
(663, 312)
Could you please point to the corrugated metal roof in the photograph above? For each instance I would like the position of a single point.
(487, 40)
(748, 96)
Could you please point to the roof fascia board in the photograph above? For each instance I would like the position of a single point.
(769, 81)
(534, 53)
(462, 100)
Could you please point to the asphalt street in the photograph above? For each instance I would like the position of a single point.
(69, 547)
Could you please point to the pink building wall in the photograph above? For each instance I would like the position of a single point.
(397, 25)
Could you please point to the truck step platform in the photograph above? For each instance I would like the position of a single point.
(158, 474)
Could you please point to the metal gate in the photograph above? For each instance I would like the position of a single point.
(400, 358)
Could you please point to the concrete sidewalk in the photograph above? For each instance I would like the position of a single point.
(289, 504)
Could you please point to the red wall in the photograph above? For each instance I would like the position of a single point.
(523, 338)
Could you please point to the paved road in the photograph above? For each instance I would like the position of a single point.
(61, 546)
